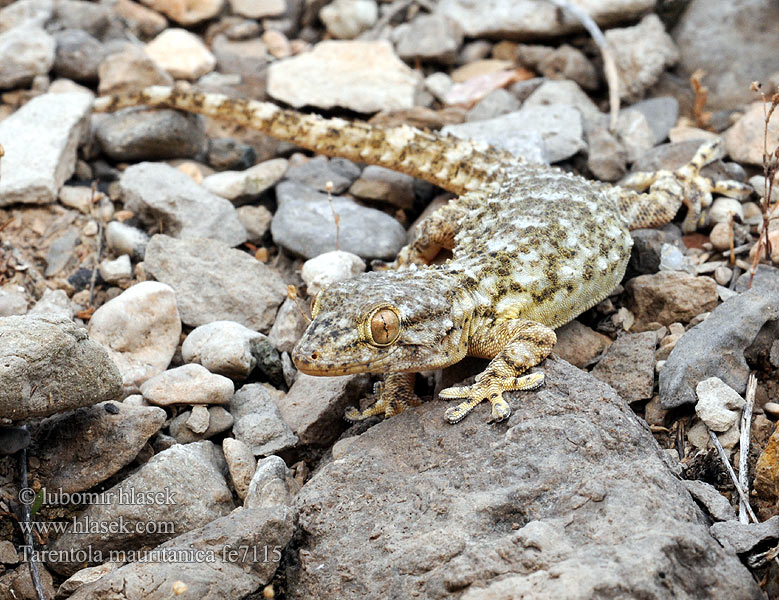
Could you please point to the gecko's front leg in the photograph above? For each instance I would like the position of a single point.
(514, 346)
(393, 395)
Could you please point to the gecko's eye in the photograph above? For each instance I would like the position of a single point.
(384, 326)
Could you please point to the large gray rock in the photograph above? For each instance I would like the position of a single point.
(214, 282)
(258, 423)
(304, 224)
(737, 47)
(231, 557)
(84, 447)
(162, 195)
(40, 141)
(179, 489)
(570, 498)
(715, 347)
(523, 19)
(48, 365)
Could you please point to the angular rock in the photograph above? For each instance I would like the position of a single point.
(742, 537)
(17, 583)
(304, 225)
(178, 490)
(258, 423)
(744, 141)
(13, 300)
(219, 421)
(642, 53)
(606, 156)
(242, 464)
(114, 271)
(506, 132)
(495, 104)
(568, 93)
(26, 12)
(327, 268)
(715, 503)
(288, 327)
(428, 37)
(25, 51)
(224, 347)
(719, 406)
(256, 220)
(214, 282)
(669, 297)
(88, 575)
(661, 113)
(48, 365)
(767, 469)
(140, 328)
(314, 406)
(573, 481)
(240, 552)
(715, 347)
(53, 302)
(578, 344)
(40, 141)
(181, 54)
(628, 365)
(82, 448)
(141, 134)
(346, 19)
(648, 245)
(164, 196)
(188, 384)
(567, 62)
(522, 19)
(130, 70)
(78, 55)
(362, 76)
(268, 486)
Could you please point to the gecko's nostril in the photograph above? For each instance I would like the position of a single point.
(314, 356)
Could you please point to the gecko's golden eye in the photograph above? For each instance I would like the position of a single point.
(384, 326)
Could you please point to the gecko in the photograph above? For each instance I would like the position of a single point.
(532, 247)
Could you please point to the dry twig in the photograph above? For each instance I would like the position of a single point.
(743, 447)
(724, 458)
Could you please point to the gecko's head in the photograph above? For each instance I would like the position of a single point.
(389, 321)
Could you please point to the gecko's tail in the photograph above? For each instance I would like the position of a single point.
(451, 163)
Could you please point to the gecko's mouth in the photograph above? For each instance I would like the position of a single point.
(311, 363)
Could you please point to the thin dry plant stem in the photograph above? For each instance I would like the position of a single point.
(724, 458)
(743, 458)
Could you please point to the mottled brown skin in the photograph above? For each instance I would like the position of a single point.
(532, 248)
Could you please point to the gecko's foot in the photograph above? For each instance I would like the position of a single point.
(689, 185)
(488, 388)
(388, 403)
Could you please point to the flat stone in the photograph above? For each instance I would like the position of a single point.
(715, 347)
(144, 134)
(40, 141)
(164, 196)
(25, 52)
(188, 384)
(246, 547)
(304, 225)
(85, 447)
(568, 93)
(213, 282)
(661, 113)
(268, 486)
(87, 575)
(181, 54)
(48, 365)
(258, 423)
(247, 184)
(119, 269)
(183, 485)
(140, 329)
(241, 462)
(288, 327)
(224, 347)
(53, 302)
(362, 76)
(641, 53)
(740, 538)
(715, 503)
(606, 156)
(719, 406)
(506, 132)
(327, 268)
(573, 481)
(256, 220)
(314, 406)
(634, 133)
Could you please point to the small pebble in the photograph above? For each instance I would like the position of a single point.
(720, 236)
(771, 410)
(723, 275)
(327, 268)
